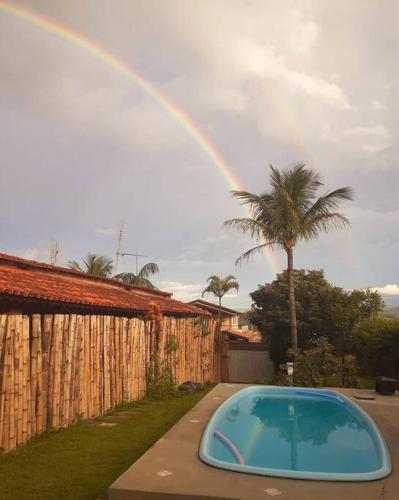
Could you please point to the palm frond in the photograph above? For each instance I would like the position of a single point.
(128, 278)
(329, 201)
(73, 264)
(146, 283)
(148, 270)
(323, 223)
(220, 286)
(246, 256)
(98, 265)
(247, 225)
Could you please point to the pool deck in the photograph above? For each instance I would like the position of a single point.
(171, 468)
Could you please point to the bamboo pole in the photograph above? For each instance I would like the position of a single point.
(36, 376)
(18, 379)
(11, 437)
(6, 386)
(47, 325)
(3, 348)
(58, 343)
(107, 377)
(75, 393)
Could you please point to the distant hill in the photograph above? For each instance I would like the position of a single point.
(391, 300)
(390, 312)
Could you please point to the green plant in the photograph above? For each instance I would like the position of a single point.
(319, 367)
(349, 372)
(377, 346)
(98, 265)
(162, 385)
(172, 344)
(203, 323)
(219, 287)
(141, 278)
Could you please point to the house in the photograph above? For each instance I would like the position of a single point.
(29, 287)
(229, 322)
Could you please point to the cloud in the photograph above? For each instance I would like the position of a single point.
(183, 291)
(376, 148)
(387, 290)
(304, 34)
(189, 291)
(377, 131)
(378, 105)
(378, 136)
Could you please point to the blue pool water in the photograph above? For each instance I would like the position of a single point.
(293, 432)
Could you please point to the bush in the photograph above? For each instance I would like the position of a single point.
(161, 386)
(377, 346)
(319, 367)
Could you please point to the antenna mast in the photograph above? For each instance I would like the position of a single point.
(119, 254)
(55, 250)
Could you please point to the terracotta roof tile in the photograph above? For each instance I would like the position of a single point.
(213, 308)
(40, 281)
(242, 334)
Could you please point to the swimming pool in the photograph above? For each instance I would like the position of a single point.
(296, 433)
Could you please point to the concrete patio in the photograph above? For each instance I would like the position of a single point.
(172, 469)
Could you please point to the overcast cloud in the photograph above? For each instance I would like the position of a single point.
(83, 148)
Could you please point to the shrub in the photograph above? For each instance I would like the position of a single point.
(162, 385)
(319, 367)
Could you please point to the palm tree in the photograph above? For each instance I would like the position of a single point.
(141, 277)
(98, 265)
(288, 213)
(219, 287)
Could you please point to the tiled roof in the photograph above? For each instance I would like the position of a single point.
(242, 334)
(213, 308)
(36, 280)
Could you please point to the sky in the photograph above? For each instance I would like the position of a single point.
(84, 148)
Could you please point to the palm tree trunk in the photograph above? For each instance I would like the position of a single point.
(219, 319)
(291, 298)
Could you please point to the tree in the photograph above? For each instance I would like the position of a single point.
(344, 315)
(377, 346)
(219, 287)
(98, 265)
(270, 311)
(142, 277)
(288, 213)
(325, 312)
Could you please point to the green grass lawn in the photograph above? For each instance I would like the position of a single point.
(83, 460)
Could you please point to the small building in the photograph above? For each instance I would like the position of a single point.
(229, 317)
(241, 335)
(229, 322)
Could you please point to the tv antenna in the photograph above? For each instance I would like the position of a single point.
(137, 255)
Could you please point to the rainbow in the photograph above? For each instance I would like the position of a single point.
(55, 28)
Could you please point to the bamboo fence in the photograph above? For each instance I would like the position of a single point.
(56, 369)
